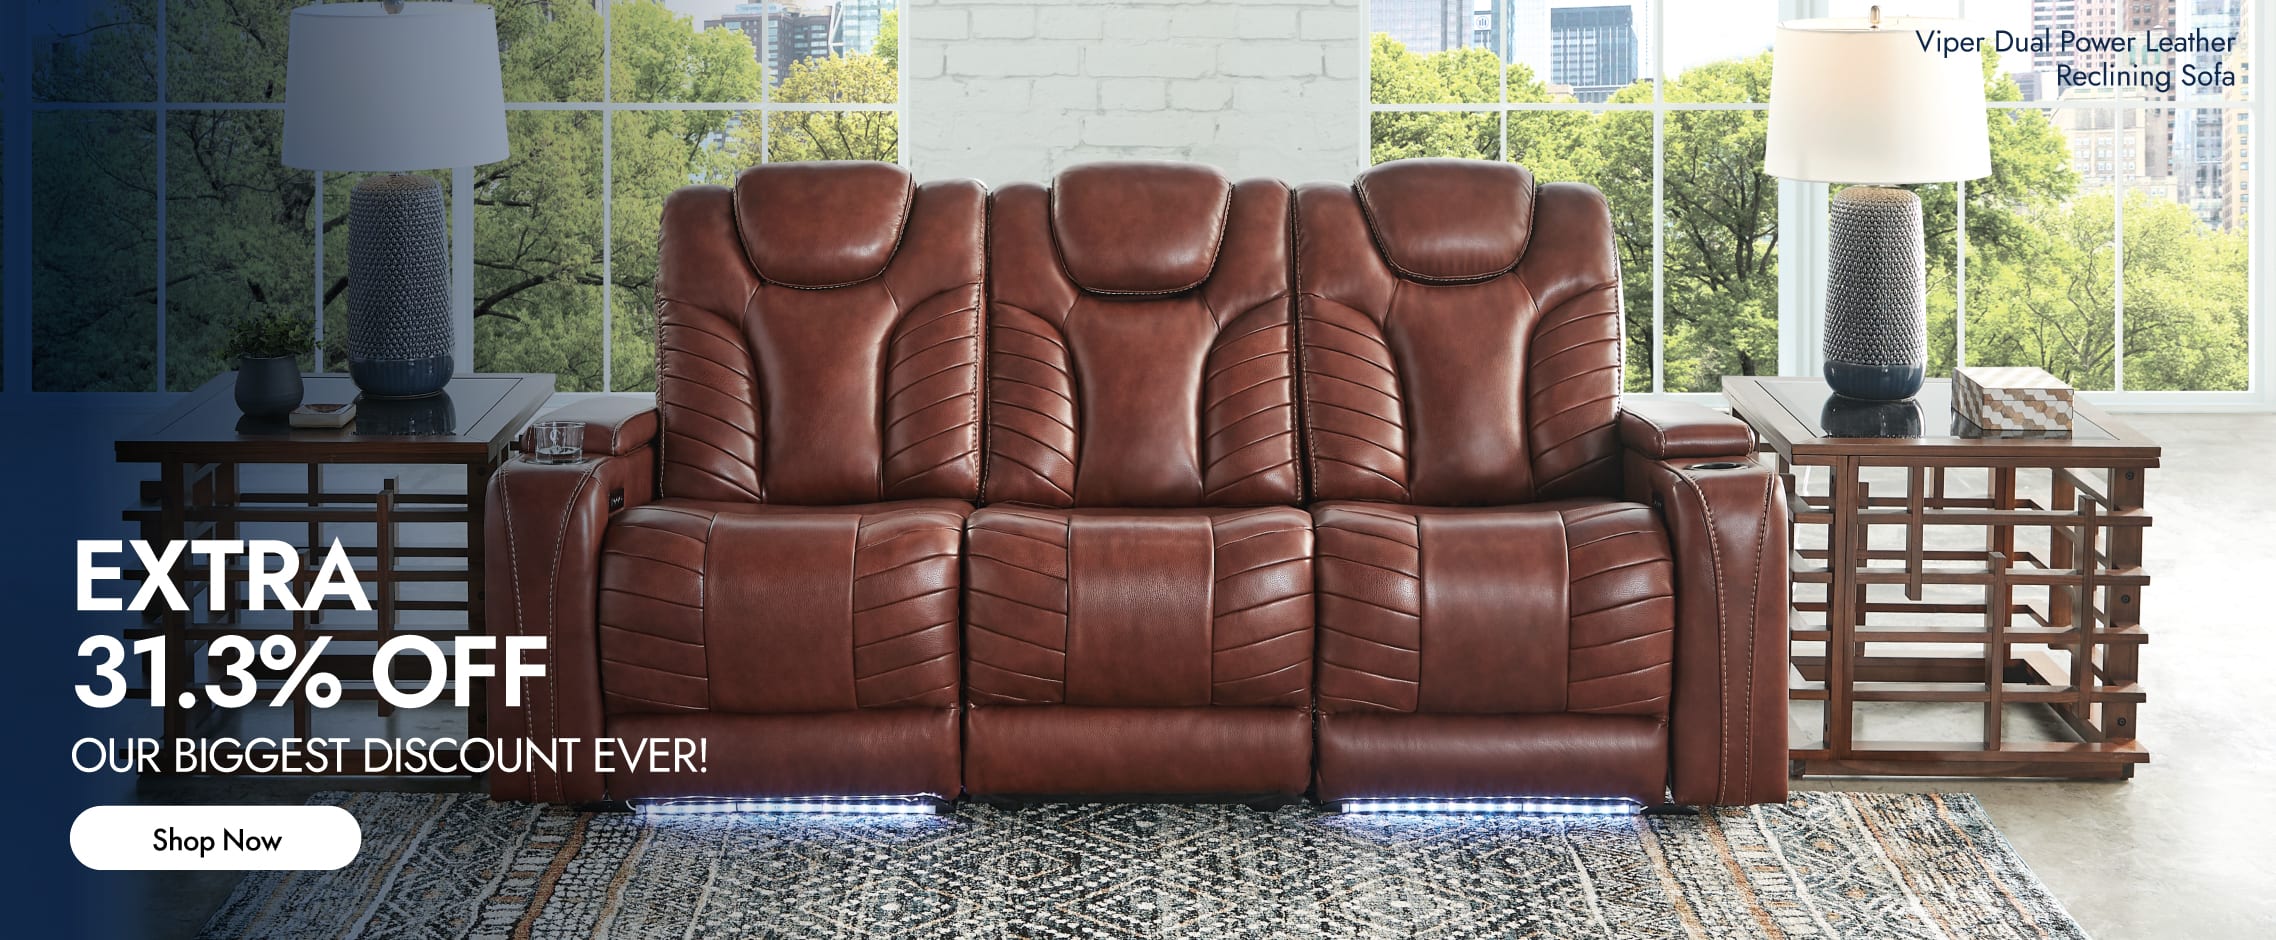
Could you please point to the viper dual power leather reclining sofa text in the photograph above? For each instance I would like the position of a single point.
(1146, 483)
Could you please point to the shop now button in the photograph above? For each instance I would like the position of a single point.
(215, 838)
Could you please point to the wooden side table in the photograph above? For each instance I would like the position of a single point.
(1950, 606)
(200, 448)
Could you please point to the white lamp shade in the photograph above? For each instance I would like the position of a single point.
(366, 90)
(1853, 104)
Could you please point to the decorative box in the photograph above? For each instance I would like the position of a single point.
(2011, 398)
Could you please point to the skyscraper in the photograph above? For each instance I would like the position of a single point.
(857, 24)
(1530, 31)
(2140, 147)
(1593, 49)
(2236, 134)
(2199, 161)
(750, 19)
(1423, 26)
(783, 32)
(2048, 18)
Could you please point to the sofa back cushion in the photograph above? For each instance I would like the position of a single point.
(819, 338)
(1141, 334)
(1461, 336)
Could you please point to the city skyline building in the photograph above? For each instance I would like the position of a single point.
(2200, 164)
(1593, 49)
(785, 32)
(2236, 136)
(2191, 155)
(1601, 51)
(1424, 26)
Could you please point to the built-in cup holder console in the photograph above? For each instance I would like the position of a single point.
(1717, 465)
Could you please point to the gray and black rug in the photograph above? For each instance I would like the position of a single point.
(1824, 865)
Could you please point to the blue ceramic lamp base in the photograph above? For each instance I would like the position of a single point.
(1876, 295)
(1875, 383)
(399, 330)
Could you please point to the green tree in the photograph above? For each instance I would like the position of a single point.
(1464, 76)
(1721, 246)
(888, 44)
(538, 214)
(871, 77)
(2048, 298)
(94, 202)
(2031, 173)
(2187, 325)
(798, 135)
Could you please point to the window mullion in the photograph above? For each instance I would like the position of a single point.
(2261, 366)
(1802, 241)
(316, 287)
(462, 264)
(767, 38)
(1960, 274)
(2118, 246)
(608, 197)
(158, 115)
(16, 325)
(1659, 198)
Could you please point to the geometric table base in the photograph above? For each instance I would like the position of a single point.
(1963, 584)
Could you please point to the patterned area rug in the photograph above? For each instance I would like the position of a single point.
(1824, 865)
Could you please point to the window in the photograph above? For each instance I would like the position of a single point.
(2111, 246)
(2125, 267)
(1568, 89)
(163, 207)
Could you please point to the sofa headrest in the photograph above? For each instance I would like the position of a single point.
(1139, 228)
(819, 225)
(1449, 221)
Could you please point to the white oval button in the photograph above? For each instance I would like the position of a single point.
(215, 838)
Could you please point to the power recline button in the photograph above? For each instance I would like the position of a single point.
(215, 838)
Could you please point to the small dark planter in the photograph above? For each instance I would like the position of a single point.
(268, 387)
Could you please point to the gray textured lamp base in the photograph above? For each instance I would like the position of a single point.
(398, 287)
(1876, 295)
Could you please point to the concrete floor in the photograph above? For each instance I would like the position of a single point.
(2182, 850)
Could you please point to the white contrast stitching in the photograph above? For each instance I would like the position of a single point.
(1722, 634)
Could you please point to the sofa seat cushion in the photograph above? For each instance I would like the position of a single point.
(1140, 608)
(755, 609)
(1552, 607)
(1377, 755)
(1216, 752)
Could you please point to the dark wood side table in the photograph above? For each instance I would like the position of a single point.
(1951, 605)
(202, 444)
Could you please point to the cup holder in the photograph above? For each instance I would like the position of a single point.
(1717, 465)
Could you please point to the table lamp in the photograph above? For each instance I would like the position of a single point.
(386, 88)
(1859, 101)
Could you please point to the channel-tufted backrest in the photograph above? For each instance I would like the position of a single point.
(1461, 336)
(1141, 340)
(819, 337)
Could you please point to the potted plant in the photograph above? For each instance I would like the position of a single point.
(267, 347)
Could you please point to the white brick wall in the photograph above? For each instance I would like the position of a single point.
(1007, 90)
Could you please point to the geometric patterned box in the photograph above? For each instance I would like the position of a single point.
(2011, 398)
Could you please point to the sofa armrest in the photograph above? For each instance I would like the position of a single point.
(615, 425)
(1727, 527)
(1667, 430)
(542, 530)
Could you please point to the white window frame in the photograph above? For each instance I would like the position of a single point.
(1803, 229)
(15, 240)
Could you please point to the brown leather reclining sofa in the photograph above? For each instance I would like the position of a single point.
(1148, 484)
